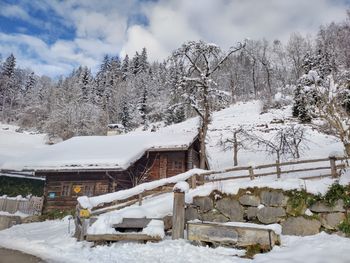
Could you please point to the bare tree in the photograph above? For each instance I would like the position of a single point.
(236, 141)
(201, 61)
(288, 141)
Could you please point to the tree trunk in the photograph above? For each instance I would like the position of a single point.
(235, 150)
(347, 148)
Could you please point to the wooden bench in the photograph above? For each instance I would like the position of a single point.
(129, 229)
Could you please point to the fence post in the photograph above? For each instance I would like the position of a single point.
(194, 181)
(251, 173)
(178, 214)
(332, 160)
(140, 199)
(278, 169)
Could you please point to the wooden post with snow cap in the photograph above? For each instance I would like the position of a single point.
(194, 181)
(251, 173)
(278, 168)
(332, 160)
(179, 210)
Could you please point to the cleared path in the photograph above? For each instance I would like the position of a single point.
(14, 256)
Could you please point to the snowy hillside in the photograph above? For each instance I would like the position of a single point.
(248, 116)
(15, 144)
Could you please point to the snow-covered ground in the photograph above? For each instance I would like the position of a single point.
(249, 116)
(52, 241)
(15, 144)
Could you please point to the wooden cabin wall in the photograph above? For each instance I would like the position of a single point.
(63, 188)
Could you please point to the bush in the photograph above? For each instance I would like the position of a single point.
(13, 186)
(345, 226)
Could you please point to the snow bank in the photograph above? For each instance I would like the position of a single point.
(155, 228)
(18, 213)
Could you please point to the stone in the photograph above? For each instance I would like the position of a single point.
(227, 235)
(273, 198)
(30, 219)
(205, 203)
(249, 200)
(296, 211)
(231, 209)
(331, 220)
(251, 213)
(269, 215)
(214, 216)
(8, 221)
(168, 222)
(300, 226)
(320, 207)
(191, 213)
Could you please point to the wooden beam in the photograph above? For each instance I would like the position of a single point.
(133, 223)
(122, 236)
(178, 215)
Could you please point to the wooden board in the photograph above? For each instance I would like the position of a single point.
(121, 237)
(133, 223)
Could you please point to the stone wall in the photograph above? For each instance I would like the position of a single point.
(267, 206)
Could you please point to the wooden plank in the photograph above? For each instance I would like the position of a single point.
(333, 167)
(305, 161)
(306, 169)
(133, 223)
(122, 236)
(227, 178)
(178, 215)
(315, 177)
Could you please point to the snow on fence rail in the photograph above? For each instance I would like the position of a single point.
(326, 167)
(28, 206)
(128, 195)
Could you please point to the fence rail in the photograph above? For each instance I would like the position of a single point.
(279, 169)
(29, 206)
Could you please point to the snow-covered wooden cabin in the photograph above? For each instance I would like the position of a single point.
(95, 165)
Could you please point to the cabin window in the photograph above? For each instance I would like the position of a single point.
(89, 190)
(66, 188)
(177, 165)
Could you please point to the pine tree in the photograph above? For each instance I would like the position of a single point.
(142, 108)
(136, 67)
(8, 68)
(30, 83)
(144, 65)
(124, 115)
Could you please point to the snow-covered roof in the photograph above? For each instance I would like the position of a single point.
(100, 152)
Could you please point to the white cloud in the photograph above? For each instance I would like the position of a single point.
(227, 22)
(14, 11)
(101, 27)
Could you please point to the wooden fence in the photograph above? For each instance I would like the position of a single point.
(326, 167)
(31, 206)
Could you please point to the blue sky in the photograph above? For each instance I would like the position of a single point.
(52, 37)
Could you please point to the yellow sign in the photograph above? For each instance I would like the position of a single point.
(84, 213)
(77, 189)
